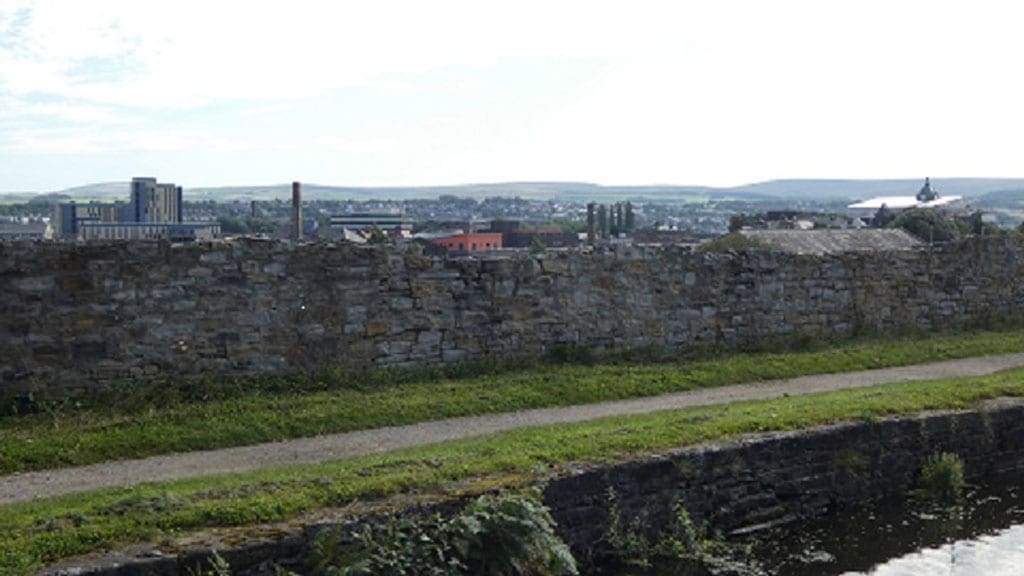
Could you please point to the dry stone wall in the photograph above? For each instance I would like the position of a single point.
(80, 316)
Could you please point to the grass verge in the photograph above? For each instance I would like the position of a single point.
(84, 436)
(35, 533)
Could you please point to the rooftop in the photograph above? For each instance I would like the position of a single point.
(835, 241)
(900, 202)
(34, 227)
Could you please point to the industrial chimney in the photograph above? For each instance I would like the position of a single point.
(296, 211)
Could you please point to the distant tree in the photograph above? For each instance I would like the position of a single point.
(232, 225)
(930, 225)
(537, 246)
(591, 222)
(260, 225)
(377, 236)
(48, 199)
(883, 217)
(565, 225)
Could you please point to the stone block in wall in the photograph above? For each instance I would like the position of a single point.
(376, 328)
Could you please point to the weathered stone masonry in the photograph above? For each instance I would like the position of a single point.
(782, 478)
(78, 316)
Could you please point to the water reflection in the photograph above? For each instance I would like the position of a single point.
(1001, 554)
(982, 537)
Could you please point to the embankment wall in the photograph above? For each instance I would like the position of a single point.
(781, 478)
(739, 486)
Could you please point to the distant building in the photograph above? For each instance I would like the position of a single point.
(154, 212)
(34, 230)
(835, 241)
(384, 221)
(925, 198)
(173, 231)
(793, 220)
(663, 237)
(551, 238)
(69, 217)
(471, 242)
(513, 236)
(155, 202)
(310, 229)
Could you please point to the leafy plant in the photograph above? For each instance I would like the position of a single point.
(942, 478)
(512, 536)
(218, 567)
(681, 547)
(495, 536)
(627, 540)
(398, 547)
(680, 540)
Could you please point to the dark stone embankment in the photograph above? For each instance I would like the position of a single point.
(733, 487)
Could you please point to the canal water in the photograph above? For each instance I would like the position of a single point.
(982, 536)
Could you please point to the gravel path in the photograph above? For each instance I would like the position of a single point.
(25, 486)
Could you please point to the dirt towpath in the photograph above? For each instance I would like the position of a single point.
(26, 486)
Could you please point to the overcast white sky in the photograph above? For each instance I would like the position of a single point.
(388, 92)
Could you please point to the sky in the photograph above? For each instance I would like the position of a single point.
(388, 92)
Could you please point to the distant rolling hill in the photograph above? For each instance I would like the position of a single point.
(567, 191)
(1002, 199)
(101, 191)
(856, 189)
(998, 190)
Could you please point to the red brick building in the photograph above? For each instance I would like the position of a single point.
(473, 242)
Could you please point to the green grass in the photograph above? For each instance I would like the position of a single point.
(66, 437)
(35, 533)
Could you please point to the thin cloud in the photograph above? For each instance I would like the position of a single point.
(408, 91)
(65, 141)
